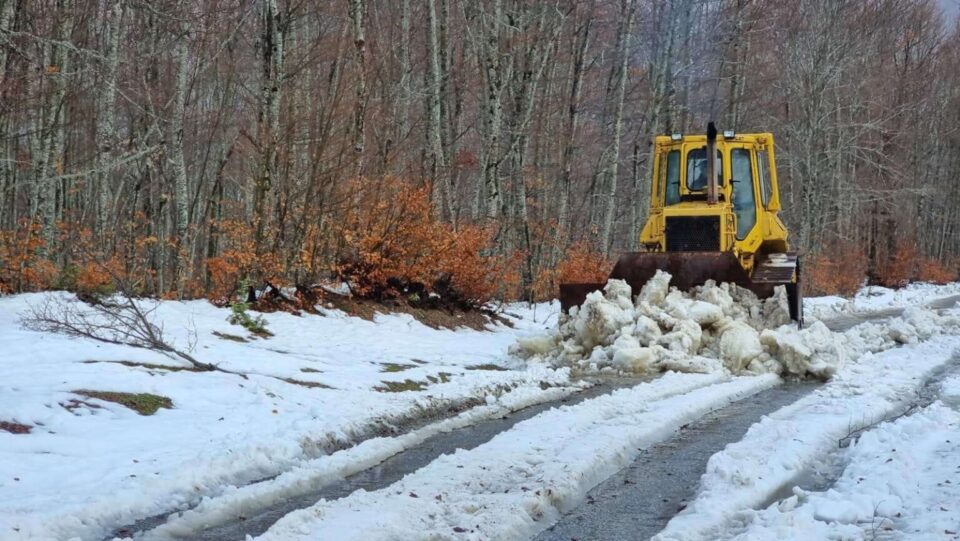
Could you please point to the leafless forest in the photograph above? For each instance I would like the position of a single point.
(196, 143)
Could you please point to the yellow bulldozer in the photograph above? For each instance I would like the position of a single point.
(711, 219)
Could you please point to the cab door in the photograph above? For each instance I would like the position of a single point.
(744, 197)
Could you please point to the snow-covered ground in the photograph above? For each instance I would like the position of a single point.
(901, 481)
(872, 298)
(778, 450)
(89, 465)
(311, 404)
(520, 482)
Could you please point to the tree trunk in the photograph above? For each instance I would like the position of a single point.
(561, 235)
(357, 13)
(106, 136)
(612, 171)
(438, 174)
(177, 159)
(271, 51)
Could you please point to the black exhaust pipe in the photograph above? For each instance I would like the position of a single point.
(711, 163)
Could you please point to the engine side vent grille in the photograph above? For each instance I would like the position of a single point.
(693, 233)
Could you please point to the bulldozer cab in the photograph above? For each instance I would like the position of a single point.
(744, 210)
(713, 216)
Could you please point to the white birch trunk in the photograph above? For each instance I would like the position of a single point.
(621, 88)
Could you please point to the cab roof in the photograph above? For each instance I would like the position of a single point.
(702, 138)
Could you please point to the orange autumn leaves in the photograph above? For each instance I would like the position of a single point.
(382, 237)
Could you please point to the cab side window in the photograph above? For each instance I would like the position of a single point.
(672, 193)
(766, 189)
(744, 202)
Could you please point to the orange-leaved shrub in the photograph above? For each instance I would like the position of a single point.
(238, 260)
(392, 245)
(23, 264)
(937, 272)
(580, 263)
(98, 277)
(896, 269)
(833, 274)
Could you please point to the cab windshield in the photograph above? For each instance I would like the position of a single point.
(697, 169)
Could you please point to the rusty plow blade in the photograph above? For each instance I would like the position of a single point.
(692, 269)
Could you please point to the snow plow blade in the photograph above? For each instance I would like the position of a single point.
(691, 269)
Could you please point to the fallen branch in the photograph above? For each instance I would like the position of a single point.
(115, 320)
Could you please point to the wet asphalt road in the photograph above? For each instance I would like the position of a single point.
(639, 500)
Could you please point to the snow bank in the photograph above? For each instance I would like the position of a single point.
(874, 298)
(714, 327)
(896, 481)
(522, 480)
(89, 466)
(778, 449)
(317, 473)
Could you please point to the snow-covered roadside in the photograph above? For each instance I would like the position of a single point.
(902, 481)
(321, 471)
(520, 482)
(89, 465)
(873, 298)
(778, 449)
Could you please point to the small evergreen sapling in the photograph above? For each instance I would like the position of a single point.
(239, 316)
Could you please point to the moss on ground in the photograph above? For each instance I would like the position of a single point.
(231, 337)
(310, 384)
(401, 386)
(396, 367)
(441, 377)
(142, 403)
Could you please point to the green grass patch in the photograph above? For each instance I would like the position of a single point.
(401, 386)
(231, 337)
(396, 367)
(142, 403)
(441, 377)
(486, 366)
(310, 384)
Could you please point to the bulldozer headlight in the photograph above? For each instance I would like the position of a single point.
(676, 136)
(729, 134)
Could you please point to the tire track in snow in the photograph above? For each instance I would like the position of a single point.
(828, 470)
(467, 408)
(639, 500)
(370, 465)
(519, 482)
(842, 322)
(779, 450)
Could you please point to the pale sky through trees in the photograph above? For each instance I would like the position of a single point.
(951, 8)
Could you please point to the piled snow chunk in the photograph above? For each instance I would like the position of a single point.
(655, 290)
(602, 316)
(538, 343)
(713, 328)
(739, 346)
(814, 350)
